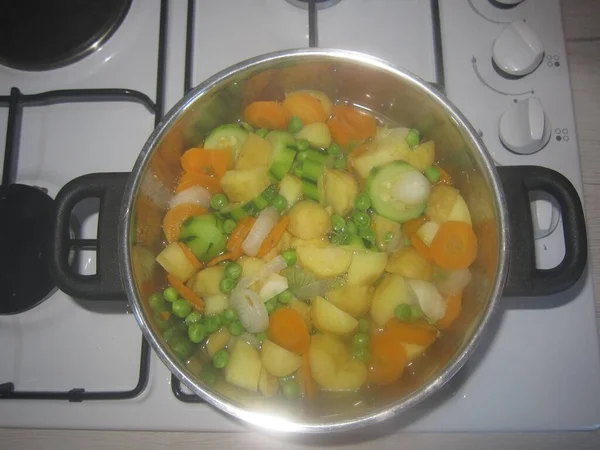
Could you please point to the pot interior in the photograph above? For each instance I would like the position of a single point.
(390, 94)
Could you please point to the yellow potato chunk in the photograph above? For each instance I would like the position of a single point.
(244, 185)
(217, 341)
(277, 360)
(440, 203)
(327, 317)
(309, 220)
(174, 261)
(409, 263)
(332, 366)
(256, 152)
(366, 267)
(391, 292)
(326, 262)
(354, 300)
(206, 282)
(243, 369)
(268, 384)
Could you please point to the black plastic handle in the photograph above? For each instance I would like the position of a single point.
(524, 279)
(106, 283)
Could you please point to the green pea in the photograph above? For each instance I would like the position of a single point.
(285, 297)
(291, 389)
(212, 324)
(351, 227)
(279, 203)
(362, 354)
(271, 304)
(233, 271)
(403, 312)
(299, 172)
(227, 285)
(368, 235)
(171, 333)
(220, 358)
(228, 316)
(194, 317)
(362, 202)
(228, 226)
(413, 138)
(338, 223)
(236, 328)
(360, 340)
(196, 333)
(361, 219)
(302, 144)
(157, 302)
(262, 336)
(218, 201)
(334, 150)
(295, 124)
(181, 308)
(340, 163)
(363, 325)
(208, 374)
(415, 312)
(262, 132)
(290, 257)
(161, 323)
(388, 237)
(170, 294)
(335, 239)
(182, 347)
(433, 174)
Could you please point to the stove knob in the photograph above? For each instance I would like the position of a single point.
(517, 51)
(525, 128)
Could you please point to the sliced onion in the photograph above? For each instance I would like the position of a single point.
(314, 289)
(251, 339)
(250, 310)
(396, 243)
(453, 281)
(430, 301)
(276, 265)
(274, 284)
(412, 188)
(265, 222)
(195, 194)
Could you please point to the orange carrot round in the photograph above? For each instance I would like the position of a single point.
(454, 245)
(270, 115)
(410, 227)
(362, 125)
(388, 358)
(305, 107)
(412, 333)
(188, 180)
(287, 328)
(340, 133)
(196, 160)
(175, 217)
(420, 246)
(453, 306)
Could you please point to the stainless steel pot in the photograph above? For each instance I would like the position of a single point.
(497, 198)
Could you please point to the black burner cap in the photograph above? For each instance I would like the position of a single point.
(26, 221)
(46, 34)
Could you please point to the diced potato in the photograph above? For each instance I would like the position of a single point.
(251, 265)
(277, 360)
(371, 159)
(413, 351)
(303, 309)
(309, 220)
(409, 263)
(207, 281)
(341, 190)
(290, 188)
(217, 341)
(391, 292)
(427, 232)
(326, 262)
(295, 242)
(174, 261)
(329, 318)
(441, 202)
(422, 156)
(255, 153)
(317, 134)
(321, 96)
(460, 211)
(382, 227)
(244, 185)
(354, 300)
(215, 304)
(268, 384)
(332, 366)
(243, 369)
(366, 267)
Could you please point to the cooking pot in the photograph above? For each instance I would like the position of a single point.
(132, 205)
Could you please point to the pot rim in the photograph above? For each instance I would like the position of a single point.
(270, 421)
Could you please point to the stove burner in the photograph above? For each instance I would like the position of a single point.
(26, 219)
(47, 34)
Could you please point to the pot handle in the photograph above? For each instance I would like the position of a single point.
(524, 279)
(106, 283)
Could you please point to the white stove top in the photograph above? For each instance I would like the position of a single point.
(539, 368)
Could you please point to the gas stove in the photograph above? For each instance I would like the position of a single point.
(72, 363)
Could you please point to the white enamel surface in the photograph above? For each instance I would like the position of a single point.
(524, 127)
(518, 51)
(538, 369)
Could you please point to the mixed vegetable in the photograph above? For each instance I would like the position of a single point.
(310, 248)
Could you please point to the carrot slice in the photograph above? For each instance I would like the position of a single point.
(186, 292)
(274, 236)
(362, 125)
(222, 257)
(221, 161)
(340, 133)
(287, 328)
(420, 246)
(309, 385)
(188, 180)
(239, 234)
(164, 315)
(453, 306)
(270, 115)
(196, 160)
(190, 256)
(175, 217)
(388, 358)
(412, 333)
(305, 107)
(410, 227)
(454, 245)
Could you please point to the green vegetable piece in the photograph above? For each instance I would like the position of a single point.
(181, 308)
(301, 156)
(334, 150)
(283, 155)
(368, 235)
(212, 323)
(227, 136)
(227, 285)
(338, 223)
(363, 325)
(310, 190)
(262, 132)
(285, 297)
(194, 317)
(312, 170)
(236, 214)
(362, 354)
(302, 144)
(157, 302)
(342, 238)
(433, 174)
(279, 203)
(208, 374)
(218, 201)
(172, 333)
(291, 389)
(236, 328)
(181, 346)
(204, 236)
(362, 202)
(316, 156)
(403, 312)
(270, 193)
(415, 312)
(233, 271)
(196, 333)
(351, 228)
(228, 226)
(298, 172)
(295, 124)
(340, 163)
(251, 208)
(413, 138)
(290, 257)
(262, 336)
(360, 340)
(170, 294)
(220, 358)
(229, 314)
(271, 304)
(361, 219)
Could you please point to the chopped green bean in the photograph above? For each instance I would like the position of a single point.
(285, 297)
(340, 163)
(413, 138)
(228, 226)
(363, 325)
(361, 219)
(351, 227)
(362, 354)
(338, 223)
(334, 150)
(403, 312)
(302, 144)
(279, 203)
